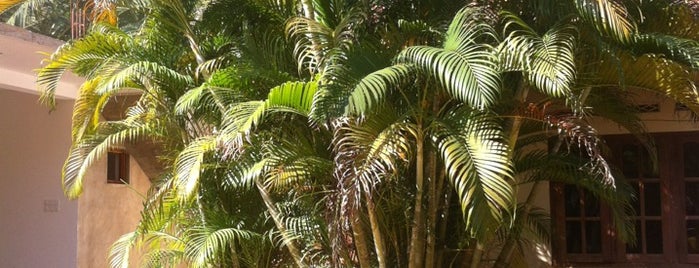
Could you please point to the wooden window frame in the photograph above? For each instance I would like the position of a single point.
(673, 212)
(122, 160)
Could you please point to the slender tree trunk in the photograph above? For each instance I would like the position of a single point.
(308, 10)
(379, 244)
(235, 261)
(445, 218)
(512, 237)
(276, 217)
(433, 193)
(417, 237)
(477, 255)
(503, 259)
(361, 240)
(397, 248)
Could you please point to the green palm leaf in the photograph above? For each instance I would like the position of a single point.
(540, 165)
(292, 97)
(83, 57)
(611, 18)
(548, 60)
(466, 66)
(685, 51)
(291, 162)
(7, 4)
(476, 160)
(143, 72)
(470, 77)
(651, 73)
(188, 166)
(372, 150)
(371, 90)
(204, 245)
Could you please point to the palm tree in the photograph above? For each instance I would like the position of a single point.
(311, 161)
(168, 63)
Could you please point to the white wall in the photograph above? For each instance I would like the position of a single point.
(33, 146)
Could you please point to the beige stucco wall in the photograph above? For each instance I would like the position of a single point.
(106, 212)
(666, 120)
(33, 146)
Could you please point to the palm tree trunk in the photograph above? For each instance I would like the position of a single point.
(434, 191)
(235, 261)
(509, 247)
(276, 217)
(308, 10)
(360, 240)
(379, 244)
(503, 259)
(445, 218)
(417, 237)
(477, 255)
(512, 236)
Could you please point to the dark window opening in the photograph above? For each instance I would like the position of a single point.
(582, 220)
(666, 207)
(117, 167)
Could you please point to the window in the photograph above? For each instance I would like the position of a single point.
(582, 222)
(643, 177)
(690, 195)
(117, 167)
(666, 206)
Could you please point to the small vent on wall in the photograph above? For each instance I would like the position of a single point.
(648, 108)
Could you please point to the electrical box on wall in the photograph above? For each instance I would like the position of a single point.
(51, 205)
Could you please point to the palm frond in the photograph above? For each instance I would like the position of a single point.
(82, 57)
(364, 67)
(291, 163)
(466, 66)
(85, 111)
(684, 51)
(206, 245)
(564, 167)
(371, 90)
(164, 250)
(548, 60)
(292, 97)
(206, 97)
(419, 32)
(369, 151)
(143, 72)
(315, 38)
(469, 27)
(120, 251)
(7, 4)
(651, 73)
(188, 166)
(476, 161)
(163, 247)
(611, 18)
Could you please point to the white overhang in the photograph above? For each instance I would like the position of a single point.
(21, 54)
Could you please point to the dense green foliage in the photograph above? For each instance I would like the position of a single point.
(368, 133)
(53, 17)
